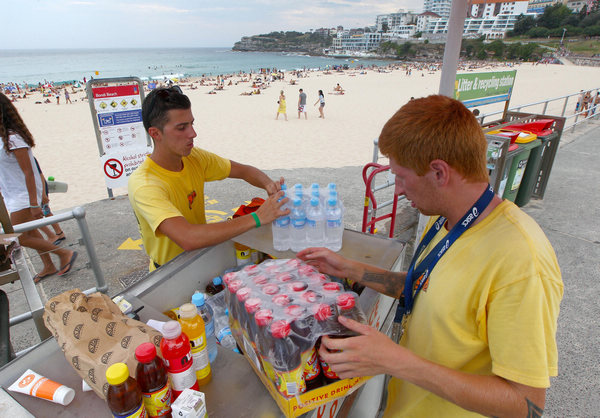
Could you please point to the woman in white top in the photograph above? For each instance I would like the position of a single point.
(321, 100)
(21, 187)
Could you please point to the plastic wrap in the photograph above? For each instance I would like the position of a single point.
(278, 310)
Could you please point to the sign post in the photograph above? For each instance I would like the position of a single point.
(477, 89)
(116, 107)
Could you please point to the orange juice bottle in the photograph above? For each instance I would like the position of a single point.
(192, 325)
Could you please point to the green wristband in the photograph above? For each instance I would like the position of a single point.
(255, 216)
(34, 206)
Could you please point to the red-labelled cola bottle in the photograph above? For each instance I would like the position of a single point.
(240, 310)
(327, 323)
(303, 334)
(263, 319)
(347, 305)
(286, 360)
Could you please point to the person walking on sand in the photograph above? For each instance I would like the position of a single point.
(321, 100)
(282, 106)
(22, 189)
(302, 104)
(67, 97)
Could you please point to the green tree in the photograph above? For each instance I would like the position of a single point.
(592, 30)
(482, 54)
(553, 16)
(523, 24)
(497, 47)
(590, 20)
(539, 32)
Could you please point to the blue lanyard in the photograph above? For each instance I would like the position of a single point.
(423, 270)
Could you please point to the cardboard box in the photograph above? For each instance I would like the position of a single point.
(189, 404)
(307, 401)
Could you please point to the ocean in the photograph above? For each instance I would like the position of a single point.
(68, 65)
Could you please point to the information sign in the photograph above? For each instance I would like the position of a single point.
(477, 89)
(116, 106)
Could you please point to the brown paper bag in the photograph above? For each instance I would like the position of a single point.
(94, 334)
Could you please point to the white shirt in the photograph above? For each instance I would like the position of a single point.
(12, 179)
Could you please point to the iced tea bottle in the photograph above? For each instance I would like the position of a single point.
(124, 396)
(151, 375)
(192, 325)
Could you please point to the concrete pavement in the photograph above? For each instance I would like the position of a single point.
(568, 215)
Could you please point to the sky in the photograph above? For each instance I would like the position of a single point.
(38, 24)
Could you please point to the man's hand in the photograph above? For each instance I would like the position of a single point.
(271, 208)
(274, 186)
(325, 260)
(368, 354)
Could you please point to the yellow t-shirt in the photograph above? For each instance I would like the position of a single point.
(157, 194)
(490, 307)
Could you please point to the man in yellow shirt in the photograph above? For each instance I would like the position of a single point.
(166, 192)
(481, 298)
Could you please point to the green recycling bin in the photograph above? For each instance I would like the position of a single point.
(516, 163)
(532, 171)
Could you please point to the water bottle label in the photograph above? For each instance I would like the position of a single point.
(223, 333)
(334, 223)
(283, 221)
(299, 223)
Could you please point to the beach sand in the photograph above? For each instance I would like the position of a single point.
(244, 129)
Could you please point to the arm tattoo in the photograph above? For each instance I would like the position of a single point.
(392, 282)
(533, 411)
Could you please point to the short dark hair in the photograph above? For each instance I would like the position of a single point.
(158, 103)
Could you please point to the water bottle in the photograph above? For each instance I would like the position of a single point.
(207, 314)
(335, 224)
(298, 230)
(223, 332)
(281, 228)
(315, 220)
(332, 187)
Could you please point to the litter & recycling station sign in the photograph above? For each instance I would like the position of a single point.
(477, 89)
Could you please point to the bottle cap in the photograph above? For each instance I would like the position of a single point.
(332, 201)
(295, 311)
(63, 395)
(270, 289)
(315, 185)
(198, 299)
(322, 311)
(314, 201)
(171, 330)
(280, 329)
(298, 286)
(187, 310)
(117, 373)
(234, 285)
(252, 305)
(331, 287)
(260, 280)
(293, 263)
(346, 301)
(243, 294)
(263, 317)
(297, 202)
(251, 269)
(284, 277)
(217, 281)
(310, 296)
(228, 277)
(306, 269)
(281, 300)
(284, 186)
(331, 186)
(145, 352)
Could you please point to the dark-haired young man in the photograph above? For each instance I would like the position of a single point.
(166, 192)
(480, 299)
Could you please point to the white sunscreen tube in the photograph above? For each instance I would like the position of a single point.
(33, 384)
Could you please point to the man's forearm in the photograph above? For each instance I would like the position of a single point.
(487, 395)
(251, 175)
(383, 281)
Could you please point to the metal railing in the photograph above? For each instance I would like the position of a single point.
(77, 213)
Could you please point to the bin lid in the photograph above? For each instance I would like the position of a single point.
(538, 127)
